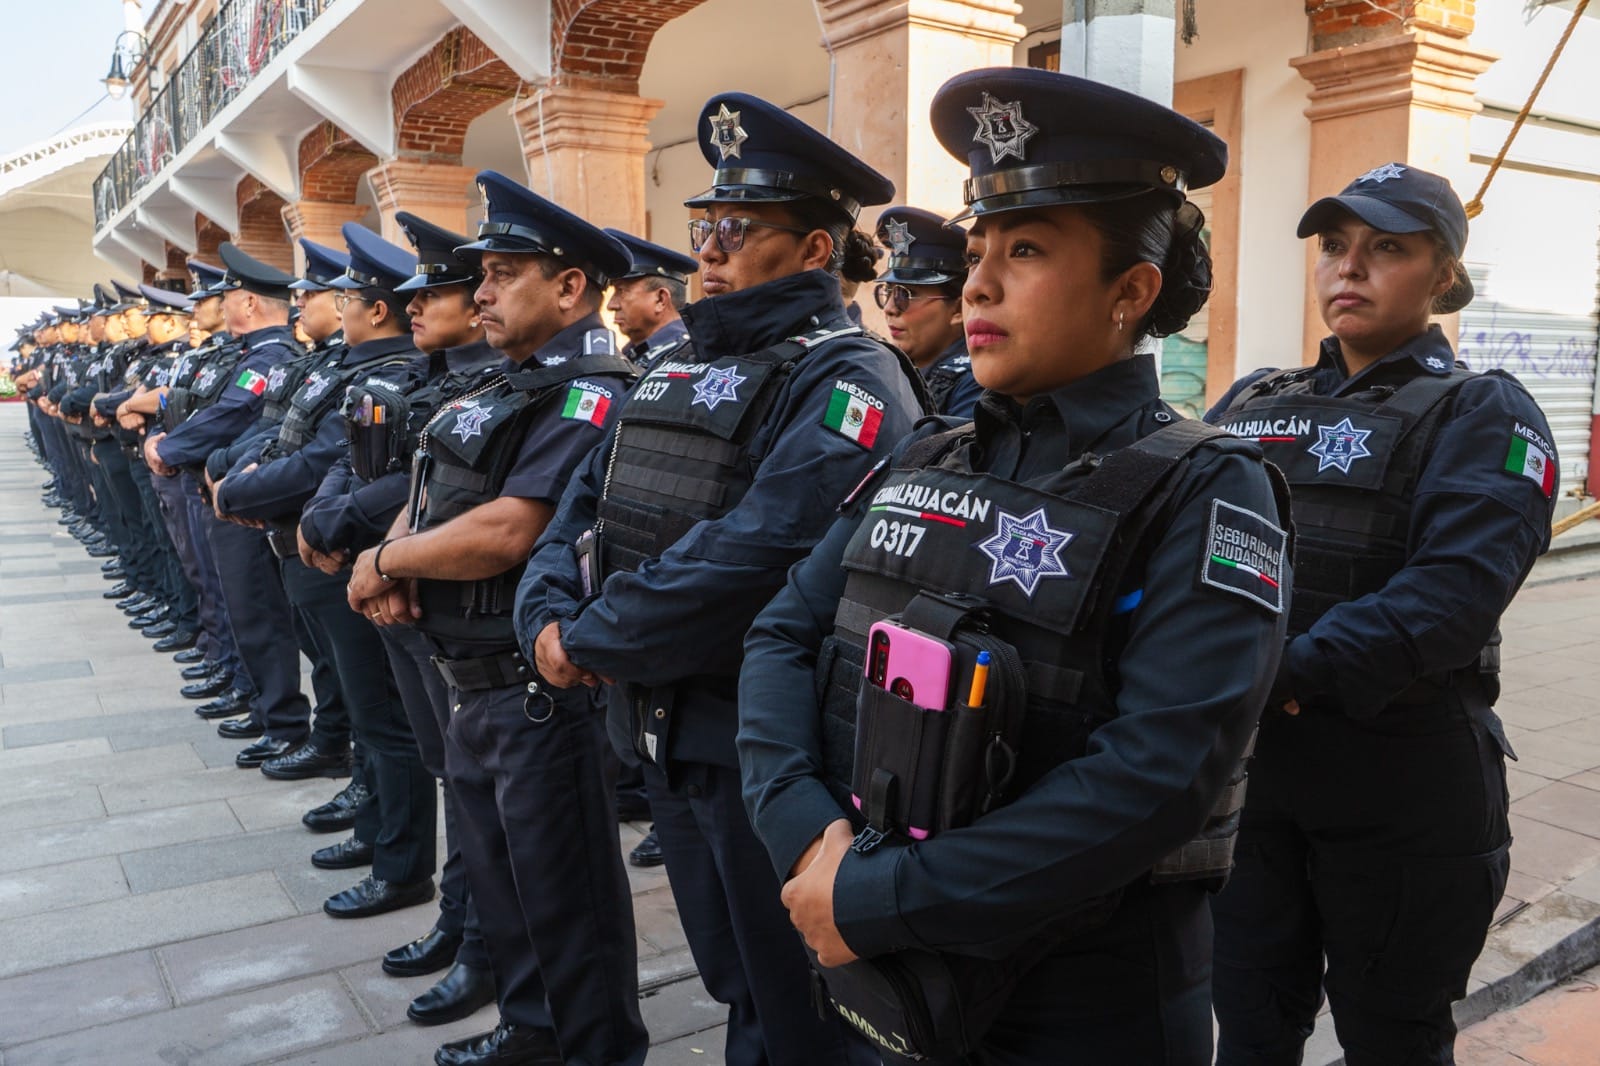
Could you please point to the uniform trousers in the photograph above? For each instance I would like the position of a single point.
(427, 705)
(134, 545)
(747, 951)
(181, 594)
(1382, 846)
(263, 627)
(179, 504)
(540, 843)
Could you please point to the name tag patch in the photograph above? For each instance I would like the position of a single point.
(1244, 555)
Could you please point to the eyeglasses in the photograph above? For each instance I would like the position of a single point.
(729, 231)
(340, 299)
(897, 298)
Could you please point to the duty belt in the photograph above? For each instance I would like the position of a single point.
(503, 670)
(283, 544)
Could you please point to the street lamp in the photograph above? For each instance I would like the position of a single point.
(125, 58)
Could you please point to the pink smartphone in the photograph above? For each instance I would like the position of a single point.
(912, 665)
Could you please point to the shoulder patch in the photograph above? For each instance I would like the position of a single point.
(587, 401)
(252, 382)
(1243, 555)
(854, 413)
(1529, 455)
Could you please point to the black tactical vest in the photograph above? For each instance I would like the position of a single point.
(1038, 565)
(385, 422)
(682, 450)
(1352, 463)
(463, 457)
(321, 394)
(213, 370)
(284, 380)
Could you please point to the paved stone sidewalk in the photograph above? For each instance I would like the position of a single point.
(157, 905)
(1561, 1027)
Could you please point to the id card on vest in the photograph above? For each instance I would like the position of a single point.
(1029, 553)
(713, 398)
(1320, 440)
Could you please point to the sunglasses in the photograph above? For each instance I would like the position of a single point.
(342, 299)
(729, 231)
(897, 298)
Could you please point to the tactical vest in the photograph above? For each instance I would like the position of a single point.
(284, 380)
(319, 396)
(464, 455)
(1352, 463)
(1037, 565)
(384, 422)
(682, 450)
(211, 376)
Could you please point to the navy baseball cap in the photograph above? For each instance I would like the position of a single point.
(924, 249)
(437, 262)
(517, 219)
(649, 260)
(763, 154)
(1033, 138)
(374, 262)
(1398, 198)
(323, 265)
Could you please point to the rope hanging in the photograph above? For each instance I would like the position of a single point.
(1475, 205)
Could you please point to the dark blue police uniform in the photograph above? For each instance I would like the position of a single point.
(924, 249)
(647, 259)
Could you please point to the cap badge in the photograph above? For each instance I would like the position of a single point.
(1001, 128)
(898, 235)
(726, 133)
(1383, 173)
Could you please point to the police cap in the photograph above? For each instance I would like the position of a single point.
(517, 219)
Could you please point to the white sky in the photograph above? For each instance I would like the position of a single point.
(53, 54)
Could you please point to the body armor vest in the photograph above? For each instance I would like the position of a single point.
(1352, 463)
(321, 394)
(682, 451)
(284, 380)
(211, 376)
(385, 422)
(464, 455)
(1037, 565)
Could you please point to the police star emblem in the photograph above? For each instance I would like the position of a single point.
(1340, 445)
(897, 235)
(317, 385)
(1025, 550)
(719, 384)
(1435, 363)
(469, 423)
(726, 133)
(1383, 173)
(1001, 128)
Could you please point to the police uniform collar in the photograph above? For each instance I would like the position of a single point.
(956, 351)
(566, 345)
(474, 356)
(739, 323)
(378, 347)
(1088, 407)
(266, 335)
(1429, 350)
(671, 333)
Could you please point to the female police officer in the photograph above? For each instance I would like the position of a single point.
(1376, 830)
(920, 296)
(1090, 537)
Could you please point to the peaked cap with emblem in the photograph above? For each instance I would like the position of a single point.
(1398, 198)
(649, 260)
(374, 262)
(244, 271)
(1034, 138)
(924, 249)
(105, 302)
(206, 279)
(129, 297)
(323, 264)
(165, 301)
(517, 219)
(763, 154)
(437, 262)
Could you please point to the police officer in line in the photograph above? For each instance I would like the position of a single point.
(1375, 844)
(255, 305)
(730, 455)
(395, 828)
(1046, 871)
(646, 300)
(538, 832)
(352, 511)
(920, 296)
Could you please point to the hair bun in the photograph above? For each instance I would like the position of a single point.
(860, 260)
(1185, 275)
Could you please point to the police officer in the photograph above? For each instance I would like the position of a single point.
(920, 296)
(538, 835)
(352, 511)
(722, 475)
(1375, 836)
(1070, 532)
(646, 300)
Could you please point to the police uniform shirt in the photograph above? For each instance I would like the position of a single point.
(1192, 683)
(962, 397)
(278, 488)
(658, 343)
(652, 626)
(329, 352)
(1476, 529)
(236, 408)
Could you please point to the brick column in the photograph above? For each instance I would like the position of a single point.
(438, 192)
(1389, 81)
(585, 150)
(261, 230)
(318, 221)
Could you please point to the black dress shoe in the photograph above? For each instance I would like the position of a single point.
(214, 685)
(262, 750)
(189, 657)
(203, 668)
(338, 814)
(175, 641)
(457, 994)
(110, 565)
(345, 855)
(507, 1045)
(373, 896)
(229, 703)
(242, 728)
(648, 851)
(100, 551)
(308, 761)
(431, 952)
(164, 628)
(116, 573)
(157, 613)
(116, 592)
(137, 604)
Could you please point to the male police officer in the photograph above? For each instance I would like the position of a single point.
(646, 300)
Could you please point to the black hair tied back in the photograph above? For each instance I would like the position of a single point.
(1185, 275)
(861, 253)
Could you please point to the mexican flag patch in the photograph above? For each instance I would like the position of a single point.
(587, 403)
(1531, 456)
(854, 413)
(251, 382)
